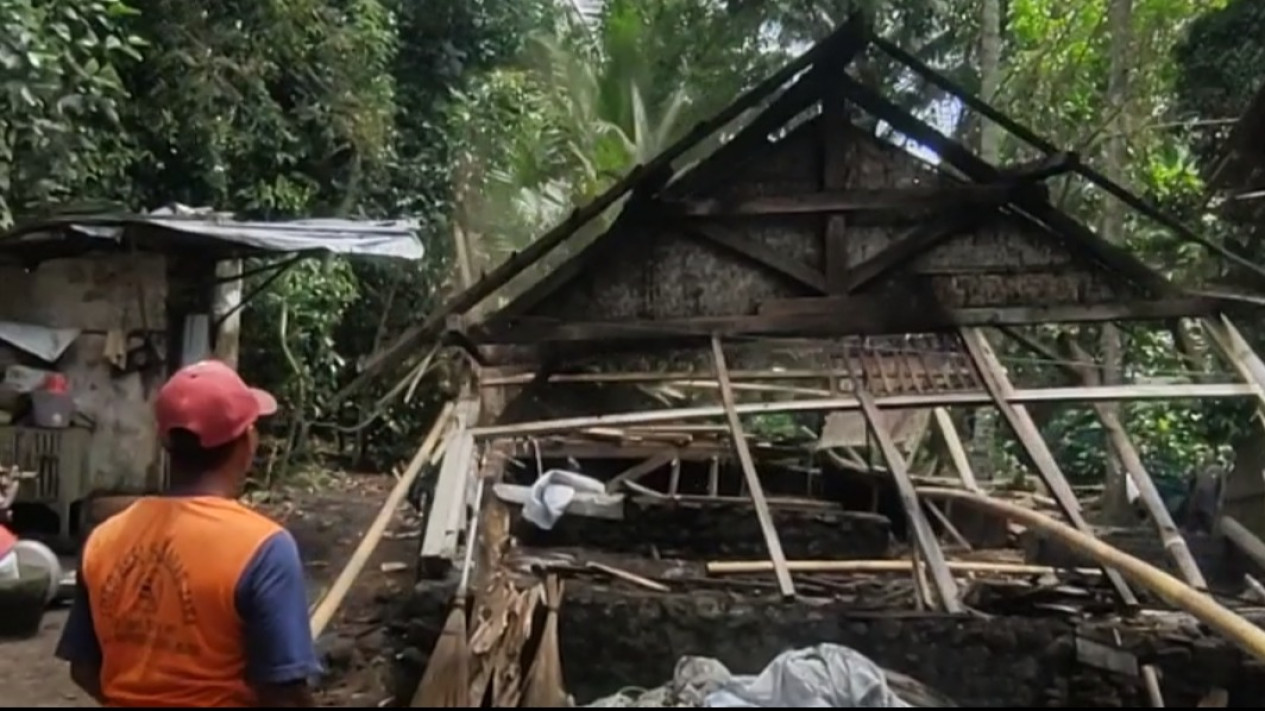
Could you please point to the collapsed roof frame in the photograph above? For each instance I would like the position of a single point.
(840, 47)
(1016, 192)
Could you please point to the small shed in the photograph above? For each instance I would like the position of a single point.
(114, 302)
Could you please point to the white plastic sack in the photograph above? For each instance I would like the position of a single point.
(825, 676)
(552, 493)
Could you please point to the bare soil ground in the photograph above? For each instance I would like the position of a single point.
(327, 521)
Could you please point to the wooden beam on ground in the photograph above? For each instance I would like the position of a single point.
(641, 469)
(754, 487)
(924, 536)
(1120, 443)
(831, 316)
(446, 516)
(904, 400)
(993, 375)
(762, 255)
(953, 445)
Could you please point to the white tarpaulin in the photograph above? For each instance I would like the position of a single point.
(824, 676)
(44, 343)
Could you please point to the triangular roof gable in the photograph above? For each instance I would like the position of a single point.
(716, 176)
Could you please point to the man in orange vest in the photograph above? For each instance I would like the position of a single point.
(192, 599)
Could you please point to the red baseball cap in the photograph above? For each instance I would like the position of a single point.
(212, 401)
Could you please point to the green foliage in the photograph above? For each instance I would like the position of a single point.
(60, 98)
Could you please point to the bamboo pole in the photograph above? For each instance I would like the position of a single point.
(329, 604)
(738, 567)
(1203, 607)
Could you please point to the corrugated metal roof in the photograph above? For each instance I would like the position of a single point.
(173, 229)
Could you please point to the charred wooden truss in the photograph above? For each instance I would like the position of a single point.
(811, 265)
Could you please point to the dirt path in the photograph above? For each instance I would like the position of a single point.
(327, 525)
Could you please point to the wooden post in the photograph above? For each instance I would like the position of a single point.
(957, 453)
(754, 488)
(1243, 489)
(924, 536)
(994, 379)
(1120, 443)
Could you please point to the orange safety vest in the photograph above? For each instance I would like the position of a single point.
(162, 581)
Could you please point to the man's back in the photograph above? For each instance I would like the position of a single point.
(172, 584)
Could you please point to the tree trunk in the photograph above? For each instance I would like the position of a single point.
(984, 431)
(1119, 23)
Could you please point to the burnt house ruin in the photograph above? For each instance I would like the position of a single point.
(801, 266)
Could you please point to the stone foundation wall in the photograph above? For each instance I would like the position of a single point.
(617, 638)
(718, 533)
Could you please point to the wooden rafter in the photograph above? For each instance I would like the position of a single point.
(842, 45)
(907, 246)
(924, 536)
(957, 156)
(1016, 415)
(750, 475)
(1083, 369)
(1029, 136)
(761, 255)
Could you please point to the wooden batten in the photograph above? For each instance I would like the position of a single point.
(1020, 422)
(1122, 446)
(909, 400)
(924, 536)
(751, 476)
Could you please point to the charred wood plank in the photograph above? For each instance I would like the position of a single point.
(835, 316)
